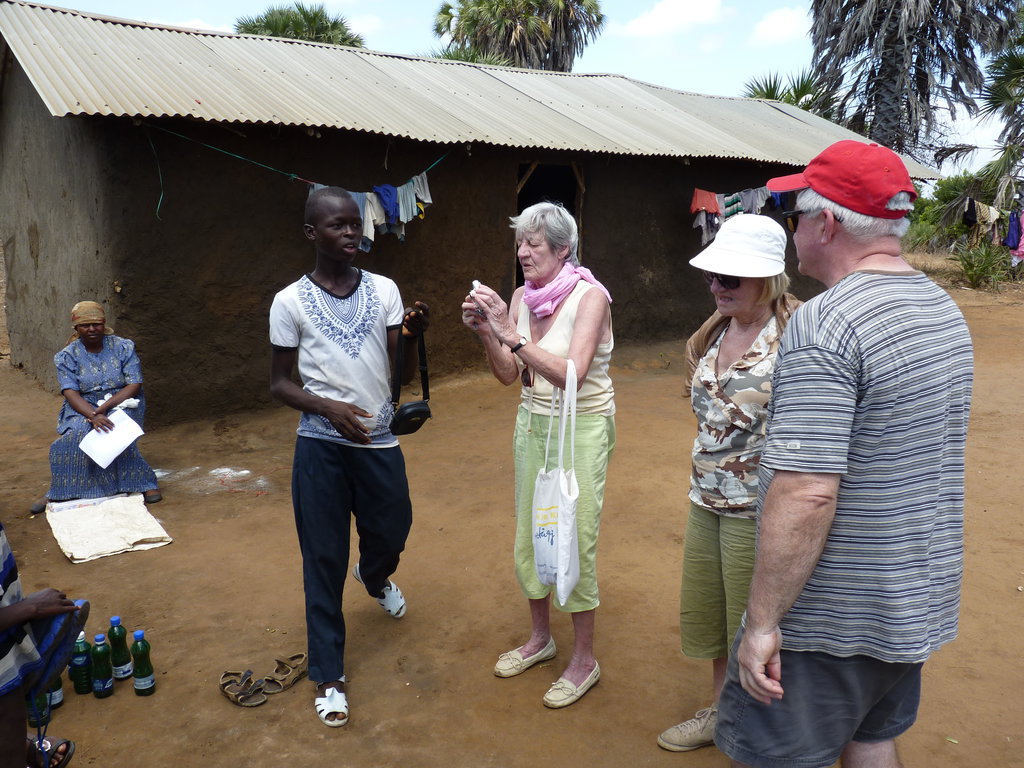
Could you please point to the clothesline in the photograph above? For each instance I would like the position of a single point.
(291, 176)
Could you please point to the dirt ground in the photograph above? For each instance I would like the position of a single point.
(227, 593)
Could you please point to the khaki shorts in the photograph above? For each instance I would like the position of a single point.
(718, 562)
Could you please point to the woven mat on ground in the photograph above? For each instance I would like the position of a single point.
(87, 529)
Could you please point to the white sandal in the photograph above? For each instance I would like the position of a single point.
(333, 702)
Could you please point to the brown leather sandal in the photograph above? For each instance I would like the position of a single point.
(287, 673)
(244, 691)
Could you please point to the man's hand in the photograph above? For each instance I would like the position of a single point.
(416, 320)
(49, 602)
(344, 417)
(760, 664)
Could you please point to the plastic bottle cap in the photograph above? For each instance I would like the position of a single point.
(115, 621)
(100, 638)
(139, 634)
(81, 636)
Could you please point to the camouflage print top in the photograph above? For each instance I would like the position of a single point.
(732, 411)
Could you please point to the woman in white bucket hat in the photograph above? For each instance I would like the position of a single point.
(729, 363)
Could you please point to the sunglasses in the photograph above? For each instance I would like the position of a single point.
(729, 282)
(793, 218)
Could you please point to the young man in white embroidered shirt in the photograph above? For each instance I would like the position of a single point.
(341, 326)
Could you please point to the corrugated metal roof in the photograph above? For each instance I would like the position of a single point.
(84, 64)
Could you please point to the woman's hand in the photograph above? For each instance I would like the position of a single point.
(100, 421)
(491, 311)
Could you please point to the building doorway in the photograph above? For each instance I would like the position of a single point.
(555, 183)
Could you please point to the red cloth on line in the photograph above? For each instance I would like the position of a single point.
(704, 201)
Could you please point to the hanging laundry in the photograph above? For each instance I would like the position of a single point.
(753, 199)
(704, 201)
(1012, 239)
(708, 224)
(388, 195)
(365, 242)
(985, 228)
(970, 212)
(778, 200)
(733, 204)
(422, 188)
(406, 202)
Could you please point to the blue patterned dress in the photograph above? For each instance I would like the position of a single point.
(95, 374)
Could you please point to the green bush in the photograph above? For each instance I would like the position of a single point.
(982, 265)
(924, 235)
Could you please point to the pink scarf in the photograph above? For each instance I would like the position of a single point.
(543, 301)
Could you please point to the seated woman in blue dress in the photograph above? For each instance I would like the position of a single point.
(96, 372)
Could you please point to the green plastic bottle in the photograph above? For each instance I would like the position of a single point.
(120, 658)
(145, 679)
(80, 670)
(102, 671)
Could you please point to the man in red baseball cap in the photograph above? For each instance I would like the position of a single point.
(861, 486)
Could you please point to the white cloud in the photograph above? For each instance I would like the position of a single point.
(781, 27)
(669, 17)
(365, 24)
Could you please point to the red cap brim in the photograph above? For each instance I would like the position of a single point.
(787, 183)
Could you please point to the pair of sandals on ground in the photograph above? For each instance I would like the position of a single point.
(331, 703)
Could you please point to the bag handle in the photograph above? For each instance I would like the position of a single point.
(396, 379)
(566, 405)
(567, 409)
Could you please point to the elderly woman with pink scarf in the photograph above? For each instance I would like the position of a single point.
(561, 313)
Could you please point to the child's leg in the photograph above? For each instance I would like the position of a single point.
(383, 514)
(322, 499)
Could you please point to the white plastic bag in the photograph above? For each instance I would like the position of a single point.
(555, 546)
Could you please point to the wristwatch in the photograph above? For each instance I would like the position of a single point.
(521, 343)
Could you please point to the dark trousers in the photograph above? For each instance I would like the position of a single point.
(331, 482)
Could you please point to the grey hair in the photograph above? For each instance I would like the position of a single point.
(553, 222)
(859, 225)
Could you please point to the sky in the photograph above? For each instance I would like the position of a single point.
(706, 46)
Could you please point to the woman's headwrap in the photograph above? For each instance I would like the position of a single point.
(87, 312)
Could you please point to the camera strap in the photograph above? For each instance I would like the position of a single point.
(396, 379)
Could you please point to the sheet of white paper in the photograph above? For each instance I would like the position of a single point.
(104, 447)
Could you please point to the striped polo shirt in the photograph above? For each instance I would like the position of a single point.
(873, 382)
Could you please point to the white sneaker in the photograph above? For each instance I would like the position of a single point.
(697, 732)
(393, 601)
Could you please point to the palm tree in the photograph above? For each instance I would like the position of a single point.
(804, 90)
(535, 34)
(300, 22)
(895, 61)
